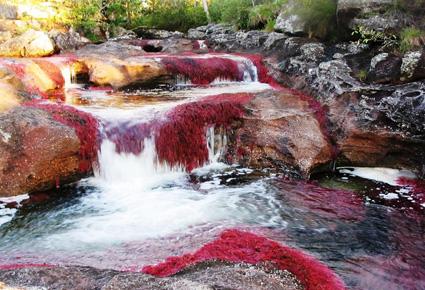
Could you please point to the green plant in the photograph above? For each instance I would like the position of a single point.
(234, 12)
(362, 75)
(263, 15)
(367, 35)
(319, 16)
(411, 38)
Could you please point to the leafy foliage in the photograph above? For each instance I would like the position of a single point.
(370, 36)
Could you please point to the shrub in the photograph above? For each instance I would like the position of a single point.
(234, 12)
(411, 38)
(319, 16)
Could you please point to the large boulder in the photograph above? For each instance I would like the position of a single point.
(282, 130)
(119, 73)
(30, 44)
(36, 152)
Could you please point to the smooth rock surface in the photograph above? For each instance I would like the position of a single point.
(35, 151)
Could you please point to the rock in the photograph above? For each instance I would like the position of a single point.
(291, 24)
(313, 52)
(207, 275)
(69, 40)
(373, 14)
(8, 97)
(281, 131)
(404, 105)
(5, 36)
(365, 138)
(36, 151)
(274, 40)
(148, 33)
(30, 44)
(119, 73)
(197, 33)
(251, 39)
(384, 68)
(8, 11)
(410, 64)
(122, 33)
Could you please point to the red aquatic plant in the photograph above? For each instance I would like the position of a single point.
(180, 140)
(329, 203)
(84, 124)
(237, 246)
(203, 71)
(8, 267)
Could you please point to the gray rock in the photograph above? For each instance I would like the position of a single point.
(274, 40)
(384, 68)
(8, 11)
(291, 24)
(203, 276)
(409, 64)
(314, 51)
(251, 39)
(197, 33)
(69, 40)
(30, 44)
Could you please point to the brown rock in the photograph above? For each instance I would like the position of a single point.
(35, 151)
(30, 44)
(120, 73)
(366, 140)
(281, 130)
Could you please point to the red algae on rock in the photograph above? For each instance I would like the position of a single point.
(180, 140)
(238, 246)
(203, 71)
(84, 124)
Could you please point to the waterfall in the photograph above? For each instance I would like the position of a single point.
(216, 143)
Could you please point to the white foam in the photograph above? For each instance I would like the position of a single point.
(386, 175)
(389, 196)
(138, 198)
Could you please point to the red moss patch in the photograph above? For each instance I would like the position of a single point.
(203, 71)
(181, 139)
(84, 124)
(238, 246)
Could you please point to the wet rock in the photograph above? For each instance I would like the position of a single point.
(281, 130)
(208, 275)
(36, 151)
(384, 68)
(69, 40)
(30, 44)
(9, 96)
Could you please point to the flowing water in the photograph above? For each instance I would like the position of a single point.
(136, 210)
